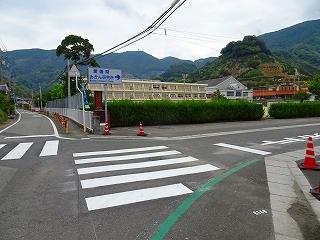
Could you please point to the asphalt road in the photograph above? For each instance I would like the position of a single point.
(151, 188)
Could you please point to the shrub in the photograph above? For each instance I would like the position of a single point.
(6, 104)
(129, 113)
(295, 110)
(3, 117)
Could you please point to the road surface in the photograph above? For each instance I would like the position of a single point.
(201, 182)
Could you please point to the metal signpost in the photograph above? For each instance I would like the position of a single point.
(74, 72)
(104, 76)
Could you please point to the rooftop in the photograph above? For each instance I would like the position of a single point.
(214, 82)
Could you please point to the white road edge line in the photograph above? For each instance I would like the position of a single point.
(128, 150)
(29, 136)
(137, 177)
(18, 151)
(126, 157)
(50, 148)
(135, 196)
(117, 167)
(244, 149)
(19, 118)
(55, 130)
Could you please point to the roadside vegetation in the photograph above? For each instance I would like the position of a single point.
(295, 110)
(130, 113)
(6, 107)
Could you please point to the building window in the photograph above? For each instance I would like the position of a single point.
(238, 93)
(230, 93)
(245, 94)
(156, 86)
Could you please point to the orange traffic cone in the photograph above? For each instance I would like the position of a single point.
(310, 162)
(141, 130)
(106, 129)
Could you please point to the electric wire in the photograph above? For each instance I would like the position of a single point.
(195, 33)
(146, 32)
(190, 38)
(154, 26)
(192, 42)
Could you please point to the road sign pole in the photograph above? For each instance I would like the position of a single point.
(83, 113)
(105, 103)
(69, 87)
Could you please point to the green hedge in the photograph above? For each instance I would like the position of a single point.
(295, 110)
(6, 104)
(3, 117)
(130, 113)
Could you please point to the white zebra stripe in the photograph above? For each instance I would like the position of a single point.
(141, 195)
(18, 151)
(113, 180)
(109, 168)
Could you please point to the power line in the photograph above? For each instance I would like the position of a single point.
(146, 32)
(196, 33)
(190, 38)
(193, 42)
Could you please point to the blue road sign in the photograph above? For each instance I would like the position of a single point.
(104, 76)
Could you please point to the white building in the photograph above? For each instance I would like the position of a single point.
(152, 90)
(4, 88)
(228, 86)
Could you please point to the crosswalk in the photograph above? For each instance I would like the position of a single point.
(100, 171)
(50, 148)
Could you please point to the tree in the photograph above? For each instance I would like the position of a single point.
(57, 91)
(217, 96)
(77, 49)
(250, 45)
(314, 85)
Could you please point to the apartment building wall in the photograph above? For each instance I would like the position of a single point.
(152, 90)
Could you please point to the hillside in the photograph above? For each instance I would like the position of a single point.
(31, 67)
(249, 61)
(299, 43)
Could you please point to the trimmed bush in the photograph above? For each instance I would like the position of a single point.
(130, 113)
(295, 110)
(3, 117)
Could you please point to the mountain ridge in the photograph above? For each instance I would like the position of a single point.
(35, 66)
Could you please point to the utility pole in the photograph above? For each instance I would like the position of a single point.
(297, 77)
(31, 100)
(69, 85)
(40, 97)
(184, 76)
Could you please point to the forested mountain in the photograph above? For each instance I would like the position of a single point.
(243, 60)
(299, 44)
(294, 47)
(30, 67)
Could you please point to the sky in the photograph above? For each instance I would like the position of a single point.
(199, 29)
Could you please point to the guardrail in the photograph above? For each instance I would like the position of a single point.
(75, 115)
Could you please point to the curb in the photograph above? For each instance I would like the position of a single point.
(283, 178)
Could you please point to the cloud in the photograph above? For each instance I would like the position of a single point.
(44, 23)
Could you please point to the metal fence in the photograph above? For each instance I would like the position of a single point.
(71, 108)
